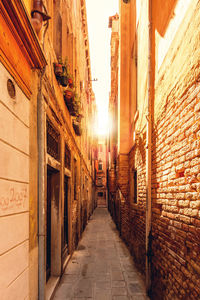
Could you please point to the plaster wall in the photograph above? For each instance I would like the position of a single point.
(14, 187)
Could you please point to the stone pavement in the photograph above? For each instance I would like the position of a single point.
(101, 268)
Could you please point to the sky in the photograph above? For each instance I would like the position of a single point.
(98, 13)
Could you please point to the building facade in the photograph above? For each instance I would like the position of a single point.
(46, 140)
(158, 143)
(101, 168)
(113, 196)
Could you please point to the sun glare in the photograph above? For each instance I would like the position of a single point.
(103, 124)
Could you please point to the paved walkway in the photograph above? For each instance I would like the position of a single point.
(101, 268)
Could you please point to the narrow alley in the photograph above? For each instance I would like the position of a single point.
(101, 268)
(99, 149)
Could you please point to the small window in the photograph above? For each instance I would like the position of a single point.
(135, 186)
(100, 194)
(100, 166)
(57, 34)
(53, 141)
(67, 157)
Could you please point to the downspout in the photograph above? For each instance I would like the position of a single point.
(41, 191)
(37, 21)
(149, 150)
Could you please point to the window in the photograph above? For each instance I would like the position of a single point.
(57, 33)
(67, 157)
(100, 194)
(100, 166)
(53, 141)
(135, 186)
(99, 181)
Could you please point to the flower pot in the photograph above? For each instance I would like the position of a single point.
(58, 69)
(70, 82)
(68, 94)
(69, 101)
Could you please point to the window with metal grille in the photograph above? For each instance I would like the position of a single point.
(53, 140)
(67, 157)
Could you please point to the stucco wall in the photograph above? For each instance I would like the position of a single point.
(14, 187)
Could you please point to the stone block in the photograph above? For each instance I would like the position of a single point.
(13, 231)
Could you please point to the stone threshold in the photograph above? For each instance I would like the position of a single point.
(54, 281)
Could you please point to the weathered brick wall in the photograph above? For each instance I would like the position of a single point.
(176, 166)
(112, 192)
(175, 244)
(176, 199)
(137, 211)
(125, 221)
(122, 182)
(112, 180)
(122, 174)
(74, 225)
(133, 215)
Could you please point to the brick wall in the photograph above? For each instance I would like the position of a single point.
(137, 211)
(112, 181)
(121, 197)
(122, 176)
(176, 202)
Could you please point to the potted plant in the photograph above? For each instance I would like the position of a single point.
(64, 77)
(65, 74)
(69, 101)
(77, 103)
(77, 127)
(58, 68)
(68, 93)
(70, 81)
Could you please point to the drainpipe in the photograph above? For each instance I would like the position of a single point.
(149, 149)
(37, 21)
(41, 191)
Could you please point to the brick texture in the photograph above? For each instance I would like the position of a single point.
(175, 196)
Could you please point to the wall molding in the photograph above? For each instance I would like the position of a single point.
(20, 49)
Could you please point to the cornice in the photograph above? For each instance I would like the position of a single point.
(16, 17)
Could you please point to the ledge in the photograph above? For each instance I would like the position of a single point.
(20, 49)
(19, 23)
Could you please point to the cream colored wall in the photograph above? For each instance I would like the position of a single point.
(178, 67)
(14, 197)
(124, 82)
(166, 61)
(142, 65)
(164, 43)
